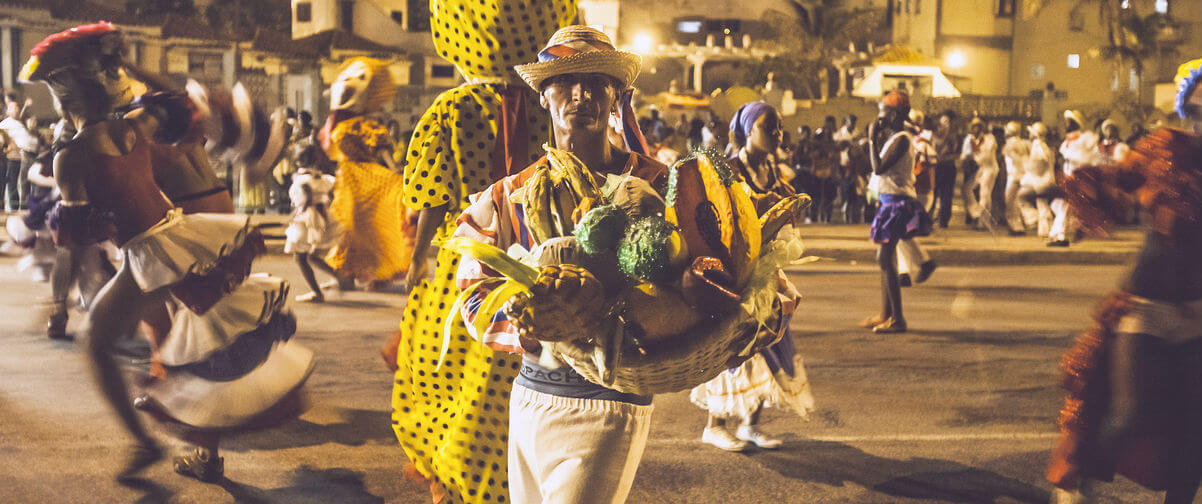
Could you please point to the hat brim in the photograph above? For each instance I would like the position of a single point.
(621, 65)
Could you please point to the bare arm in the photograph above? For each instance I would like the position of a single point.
(896, 150)
(69, 175)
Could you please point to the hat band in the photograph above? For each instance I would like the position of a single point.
(572, 47)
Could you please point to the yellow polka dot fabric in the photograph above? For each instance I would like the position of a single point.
(487, 38)
(376, 244)
(453, 422)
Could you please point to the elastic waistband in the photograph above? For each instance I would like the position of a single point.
(522, 396)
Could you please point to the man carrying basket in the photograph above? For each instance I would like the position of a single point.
(610, 256)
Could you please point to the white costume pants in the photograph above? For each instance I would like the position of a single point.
(1014, 214)
(983, 204)
(582, 451)
(1064, 224)
(910, 257)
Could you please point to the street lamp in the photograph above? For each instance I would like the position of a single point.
(957, 59)
(643, 42)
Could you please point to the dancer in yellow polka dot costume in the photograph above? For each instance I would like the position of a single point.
(453, 421)
(377, 243)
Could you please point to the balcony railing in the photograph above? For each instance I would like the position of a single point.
(994, 108)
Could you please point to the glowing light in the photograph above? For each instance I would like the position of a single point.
(957, 59)
(643, 42)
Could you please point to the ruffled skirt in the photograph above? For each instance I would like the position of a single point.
(739, 392)
(201, 257)
(310, 231)
(228, 357)
(898, 218)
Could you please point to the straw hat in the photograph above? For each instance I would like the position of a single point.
(580, 49)
(1037, 130)
(1013, 128)
(1075, 116)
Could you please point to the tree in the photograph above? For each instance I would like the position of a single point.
(144, 8)
(819, 33)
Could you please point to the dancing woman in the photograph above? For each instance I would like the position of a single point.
(775, 376)
(1134, 404)
(226, 367)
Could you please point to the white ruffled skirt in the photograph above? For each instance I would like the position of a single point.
(233, 361)
(739, 392)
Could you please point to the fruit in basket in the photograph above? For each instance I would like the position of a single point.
(660, 312)
(715, 214)
(565, 303)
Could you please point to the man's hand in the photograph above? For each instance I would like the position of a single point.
(417, 271)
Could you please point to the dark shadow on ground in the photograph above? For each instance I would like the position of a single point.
(152, 493)
(308, 485)
(836, 464)
(357, 428)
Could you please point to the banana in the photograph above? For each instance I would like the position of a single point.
(786, 211)
(745, 240)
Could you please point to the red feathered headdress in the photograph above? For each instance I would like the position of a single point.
(67, 47)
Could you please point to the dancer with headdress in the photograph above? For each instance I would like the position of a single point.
(453, 423)
(228, 365)
(377, 238)
(1134, 402)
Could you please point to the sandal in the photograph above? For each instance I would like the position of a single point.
(311, 297)
(872, 321)
(200, 464)
(143, 456)
(889, 327)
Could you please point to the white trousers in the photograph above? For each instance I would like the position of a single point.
(1064, 224)
(1014, 214)
(910, 257)
(986, 178)
(579, 451)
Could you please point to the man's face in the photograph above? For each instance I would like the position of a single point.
(580, 102)
(945, 123)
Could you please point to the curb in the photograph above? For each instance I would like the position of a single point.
(986, 257)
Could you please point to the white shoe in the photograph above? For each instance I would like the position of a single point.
(722, 439)
(752, 435)
(1062, 496)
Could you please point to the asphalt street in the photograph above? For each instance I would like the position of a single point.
(960, 409)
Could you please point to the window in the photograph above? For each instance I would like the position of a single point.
(1162, 6)
(1074, 60)
(1005, 8)
(346, 15)
(442, 72)
(304, 12)
(691, 26)
(419, 15)
(207, 66)
(1132, 79)
(398, 17)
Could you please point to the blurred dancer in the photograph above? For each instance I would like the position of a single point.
(1134, 404)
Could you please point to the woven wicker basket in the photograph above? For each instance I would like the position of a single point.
(685, 361)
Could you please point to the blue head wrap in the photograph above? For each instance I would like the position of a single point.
(744, 119)
(1187, 79)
